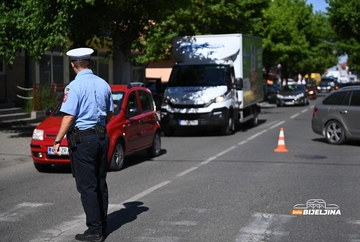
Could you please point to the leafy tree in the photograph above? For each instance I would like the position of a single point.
(39, 25)
(344, 16)
(200, 17)
(295, 38)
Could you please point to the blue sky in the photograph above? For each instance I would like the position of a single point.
(318, 5)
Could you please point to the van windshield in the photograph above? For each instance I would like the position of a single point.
(199, 75)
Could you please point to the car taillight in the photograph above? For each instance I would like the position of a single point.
(315, 111)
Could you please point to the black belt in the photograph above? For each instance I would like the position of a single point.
(87, 132)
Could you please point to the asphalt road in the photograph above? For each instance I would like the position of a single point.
(203, 188)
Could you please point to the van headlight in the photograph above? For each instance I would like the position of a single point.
(215, 100)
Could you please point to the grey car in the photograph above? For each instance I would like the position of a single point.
(337, 117)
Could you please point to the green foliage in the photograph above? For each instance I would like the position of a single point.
(296, 38)
(200, 17)
(344, 17)
(40, 25)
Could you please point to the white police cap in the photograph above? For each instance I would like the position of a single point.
(80, 54)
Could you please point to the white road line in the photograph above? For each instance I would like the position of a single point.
(242, 142)
(256, 135)
(262, 226)
(208, 160)
(226, 151)
(305, 110)
(147, 191)
(186, 171)
(278, 124)
(295, 115)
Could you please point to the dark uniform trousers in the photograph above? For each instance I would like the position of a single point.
(90, 167)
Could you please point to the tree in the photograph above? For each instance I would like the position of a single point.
(344, 17)
(295, 38)
(40, 25)
(200, 17)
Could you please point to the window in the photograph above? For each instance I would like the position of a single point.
(131, 105)
(146, 100)
(118, 98)
(51, 68)
(336, 98)
(355, 98)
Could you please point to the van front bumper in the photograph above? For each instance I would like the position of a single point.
(218, 117)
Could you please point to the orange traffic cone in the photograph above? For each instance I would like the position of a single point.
(281, 143)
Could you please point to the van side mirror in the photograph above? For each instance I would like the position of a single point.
(239, 84)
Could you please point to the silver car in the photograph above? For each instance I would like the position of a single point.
(337, 117)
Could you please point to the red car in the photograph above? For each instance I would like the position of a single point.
(134, 127)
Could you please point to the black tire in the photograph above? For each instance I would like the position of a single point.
(229, 128)
(254, 121)
(334, 133)
(155, 148)
(42, 167)
(118, 157)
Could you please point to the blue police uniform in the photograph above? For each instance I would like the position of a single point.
(88, 98)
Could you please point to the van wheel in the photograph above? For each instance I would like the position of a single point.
(334, 133)
(154, 149)
(118, 156)
(42, 167)
(229, 128)
(255, 120)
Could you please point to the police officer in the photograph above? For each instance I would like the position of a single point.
(88, 106)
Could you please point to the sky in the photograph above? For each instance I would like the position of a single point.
(318, 5)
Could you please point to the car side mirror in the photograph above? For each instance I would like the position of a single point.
(48, 112)
(239, 84)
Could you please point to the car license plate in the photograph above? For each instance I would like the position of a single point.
(289, 103)
(63, 150)
(188, 122)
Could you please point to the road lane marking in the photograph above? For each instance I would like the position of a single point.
(295, 115)
(305, 110)
(147, 191)
(276, 125)
(226, 151)
(186, 171)
(261, 226)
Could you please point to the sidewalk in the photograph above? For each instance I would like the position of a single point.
(15, 144)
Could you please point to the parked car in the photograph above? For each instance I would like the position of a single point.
(337, 117)
(294, 94)
(311, 89)
(134, 127)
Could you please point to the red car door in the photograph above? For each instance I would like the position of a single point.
(132, 126)
(149, 118)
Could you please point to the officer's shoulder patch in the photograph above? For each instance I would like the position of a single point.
(67, 89)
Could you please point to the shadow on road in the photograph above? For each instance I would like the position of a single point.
(125, 215)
